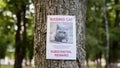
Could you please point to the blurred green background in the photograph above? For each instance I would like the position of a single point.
(17, 29)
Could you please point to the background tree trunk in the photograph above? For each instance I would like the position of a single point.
(58, 7)
(20, 39)
(18, 58)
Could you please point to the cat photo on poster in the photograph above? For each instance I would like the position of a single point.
(61, 32)
(61, 37)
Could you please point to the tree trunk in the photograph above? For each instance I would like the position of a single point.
(87, 63)
(24, 43)
(18, 58)
(58, 7)
(107, 34)
(0, 63)
(20, 40)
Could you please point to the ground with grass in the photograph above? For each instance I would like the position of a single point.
(10, 66)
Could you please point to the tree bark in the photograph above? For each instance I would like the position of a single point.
(24, 43)
(58, 7)
(20, 39)
(18, 58)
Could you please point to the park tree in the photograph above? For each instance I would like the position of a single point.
(95, 30)
(58, 7)
(115, 34)
(19, 9)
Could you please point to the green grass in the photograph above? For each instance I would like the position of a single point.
(94, 66)
(10, 66)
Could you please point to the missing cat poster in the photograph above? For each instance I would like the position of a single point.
(61, 37)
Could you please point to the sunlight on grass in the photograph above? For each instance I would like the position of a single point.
(10, 66)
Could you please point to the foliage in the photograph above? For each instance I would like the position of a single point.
(6, 31)
(2, 4)
(95, 29)
(8, 10)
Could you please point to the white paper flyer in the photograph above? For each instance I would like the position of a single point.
(61, 37)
